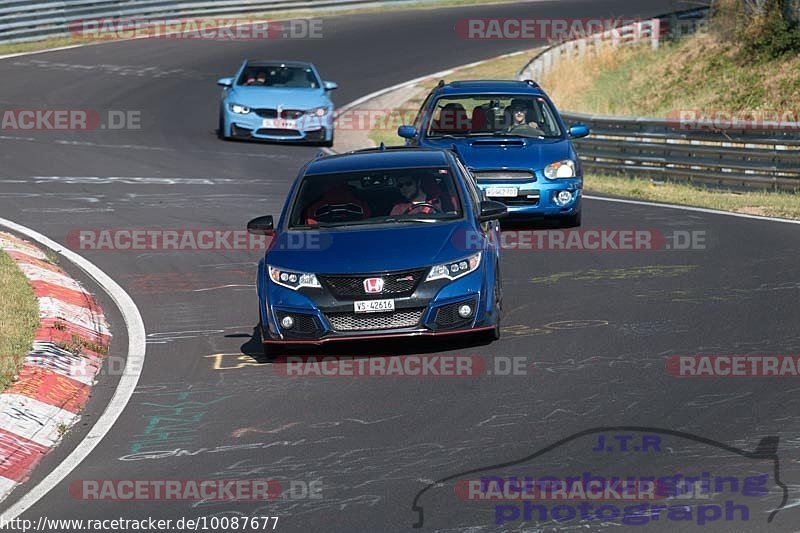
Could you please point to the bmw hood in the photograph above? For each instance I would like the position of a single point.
(487, 153)
(258, 97)
(354, 249)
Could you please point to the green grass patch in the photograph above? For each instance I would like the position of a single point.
(19, 318)
(702, 72)
(773, 204)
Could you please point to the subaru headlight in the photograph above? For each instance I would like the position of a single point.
(318, 111)
(560, 169)
(455, 269)
(291, 279)
(239, 109)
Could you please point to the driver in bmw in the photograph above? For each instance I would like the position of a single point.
(415, 200)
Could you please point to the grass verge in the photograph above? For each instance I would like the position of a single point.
(19, 317)
(771, 204)
(703, 72)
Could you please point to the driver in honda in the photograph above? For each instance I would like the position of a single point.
(415, 201)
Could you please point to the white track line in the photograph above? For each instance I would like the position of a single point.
(125, 388)
(689, 208)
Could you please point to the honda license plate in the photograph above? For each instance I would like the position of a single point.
(373, 306)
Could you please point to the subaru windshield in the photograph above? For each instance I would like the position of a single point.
(418, 195)
(498, 115)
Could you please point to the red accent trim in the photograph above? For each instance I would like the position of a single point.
(326, 340)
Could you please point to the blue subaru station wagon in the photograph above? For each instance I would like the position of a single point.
(513, 140)
(389, 242)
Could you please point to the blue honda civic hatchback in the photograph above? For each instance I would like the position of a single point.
(380, 243)
(512, 138)
(277, 101)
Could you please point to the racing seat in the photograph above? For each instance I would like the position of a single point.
(434, 190)
(338, 204)
(452, 118)
(480, 121)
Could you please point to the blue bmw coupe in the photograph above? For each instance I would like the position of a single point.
(380, 243)
(512, 138)
(277, 101)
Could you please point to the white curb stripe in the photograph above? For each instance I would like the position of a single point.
(8, 244)
(6, 486)
(33, 419)
(81, 368)
(125, 388)
(37, 273)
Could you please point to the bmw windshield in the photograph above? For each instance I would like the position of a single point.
(499, 115)
(408, 195)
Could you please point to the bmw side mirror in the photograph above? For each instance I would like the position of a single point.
(576, 131)
(491, 210)
(225, 82)
(407, 132)
(261, 225)
(329, 85)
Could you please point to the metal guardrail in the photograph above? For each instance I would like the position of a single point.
(661, 148)
(32, 20)
(766, 156)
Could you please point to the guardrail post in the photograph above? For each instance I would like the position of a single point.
(655, 33)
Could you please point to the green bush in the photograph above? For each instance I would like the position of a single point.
(766, 29)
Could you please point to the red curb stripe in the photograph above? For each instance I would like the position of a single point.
(62, 364)
(19, 257)
(48, 332)
(43, 289)
(18, 455)
(51, 388)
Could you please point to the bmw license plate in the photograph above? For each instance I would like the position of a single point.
(279, 123)
(373, 306)
(501, 192)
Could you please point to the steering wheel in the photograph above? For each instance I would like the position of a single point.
(418, 205)
(339, 212)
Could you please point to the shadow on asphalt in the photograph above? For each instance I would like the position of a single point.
(367, 348)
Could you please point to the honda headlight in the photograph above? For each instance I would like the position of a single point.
(291, 279)
(456, 269)
(560, 169)
(239, 109)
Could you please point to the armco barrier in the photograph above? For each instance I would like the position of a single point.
(762, 156)
(32, 20)
(653, 148)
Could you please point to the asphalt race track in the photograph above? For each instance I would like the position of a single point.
(594, 328)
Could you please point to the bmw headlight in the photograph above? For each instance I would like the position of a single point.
(239, 109)
(560, 169)
(318, 111)
(455, 269)
(291, 279)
